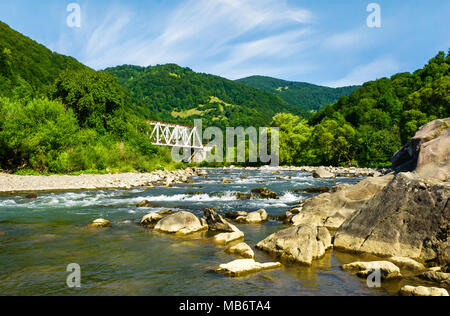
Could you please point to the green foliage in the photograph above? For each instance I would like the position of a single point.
(43, 136)
(179, 95)
(93, 96)
(370, 125)
(306, 96)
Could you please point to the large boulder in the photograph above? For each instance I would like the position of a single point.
(387, 269)
(409, 218)
(422, 291)
(181, 223)
(217, 223)
(242, 267)
(332, 209)
(301, 244)
(427, 153)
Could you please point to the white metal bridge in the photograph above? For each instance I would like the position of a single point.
(180, 136)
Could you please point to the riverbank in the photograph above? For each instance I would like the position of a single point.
(20, 184)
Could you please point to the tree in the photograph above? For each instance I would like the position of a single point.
(93, 96)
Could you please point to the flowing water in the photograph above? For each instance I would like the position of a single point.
(40, 237)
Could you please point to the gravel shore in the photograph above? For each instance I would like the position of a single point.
(19, 184)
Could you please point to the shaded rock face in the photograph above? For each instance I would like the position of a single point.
(422, 291)
(409, 218)
(439, 277)
(301, 244)
(332, 209)
(387, 269)
(217, 223)
(182, 223)
(427, 153)
(243, 267)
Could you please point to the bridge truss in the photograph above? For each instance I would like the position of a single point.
(166, 134)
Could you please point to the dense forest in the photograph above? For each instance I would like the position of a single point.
(180, 95)
(59, 116)
(306, 96)
(370, 125)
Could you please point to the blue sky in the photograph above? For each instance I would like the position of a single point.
(317, 41)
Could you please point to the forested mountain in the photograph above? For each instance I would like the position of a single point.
(307, 96)
(26, 63)
(177, 94)
(370, 125)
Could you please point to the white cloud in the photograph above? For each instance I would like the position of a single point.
(381, 67)
(217, 32)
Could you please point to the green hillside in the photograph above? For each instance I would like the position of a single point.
(180, 95)
(306, 96)
(24, 62)
(370, 125)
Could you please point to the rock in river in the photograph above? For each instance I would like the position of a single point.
(226, 238)
(257, 217)
(427, 152)
(332, 209)
(217, 223)
(100, 223)
(409, 218)
(151, 219)
(242, 250)
(422, 291)
(407, 263)
(438, 277)
(265, 193)
(182, 223)
(243, 267)
(301, 244)
(363, 269)
(323, 173)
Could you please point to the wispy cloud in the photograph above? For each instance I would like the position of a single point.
(226, 34)
(382, 67)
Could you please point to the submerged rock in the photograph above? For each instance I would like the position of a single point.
(409, 218)
(422, 291)
(31, 196)
(332, 209)
(387, 269)
(242, 250)
(301, 244)
(145, 203)
(182, 223)
(265, 193)
(151, 219)
(243, 267)
(100, 223)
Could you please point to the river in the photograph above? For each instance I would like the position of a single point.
(40, 237)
